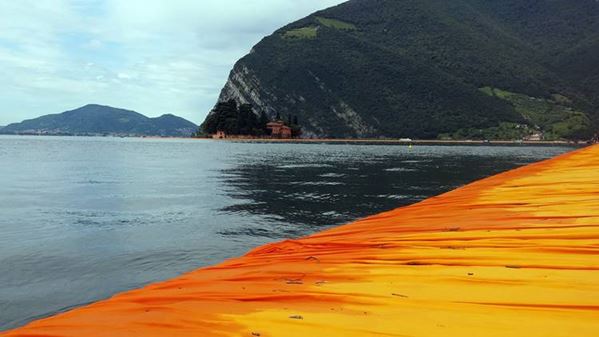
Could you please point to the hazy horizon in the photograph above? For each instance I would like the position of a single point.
(154, 57)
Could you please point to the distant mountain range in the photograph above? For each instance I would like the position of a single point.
(431, 69)
(95, 120)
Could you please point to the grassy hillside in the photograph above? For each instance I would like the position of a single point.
(554, 115)
(414, 68)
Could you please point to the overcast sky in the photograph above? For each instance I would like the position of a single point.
(152, 56)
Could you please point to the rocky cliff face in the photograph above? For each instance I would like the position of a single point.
(244, 86)
(384, 68)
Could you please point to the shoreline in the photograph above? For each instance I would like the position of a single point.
(399, 141)
(389, 141)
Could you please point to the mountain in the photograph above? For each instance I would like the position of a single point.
(96, 119)
(170, 125)
(431, 69)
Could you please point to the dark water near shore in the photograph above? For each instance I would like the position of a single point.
(84, 218)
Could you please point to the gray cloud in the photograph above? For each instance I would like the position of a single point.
(152, 56)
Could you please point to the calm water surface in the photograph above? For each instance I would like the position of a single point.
(84, 218)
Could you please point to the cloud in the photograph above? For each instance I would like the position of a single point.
(152, 56)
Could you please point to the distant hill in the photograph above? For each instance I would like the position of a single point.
(96, 119)
(431, 69)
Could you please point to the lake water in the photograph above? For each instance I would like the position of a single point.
(84, 218)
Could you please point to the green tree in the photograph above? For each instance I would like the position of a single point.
(235, 120)
(262, 122)
(222, 118)
(247, 121)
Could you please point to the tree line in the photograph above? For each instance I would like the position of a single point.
(234, 119)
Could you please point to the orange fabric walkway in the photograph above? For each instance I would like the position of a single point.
(512, 255)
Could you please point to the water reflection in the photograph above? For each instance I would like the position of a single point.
(303, 189)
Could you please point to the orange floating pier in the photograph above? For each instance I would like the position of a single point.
(512, 255)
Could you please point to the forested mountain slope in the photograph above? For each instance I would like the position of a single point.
(431, 68)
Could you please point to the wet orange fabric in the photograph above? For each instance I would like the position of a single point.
(511, 255)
